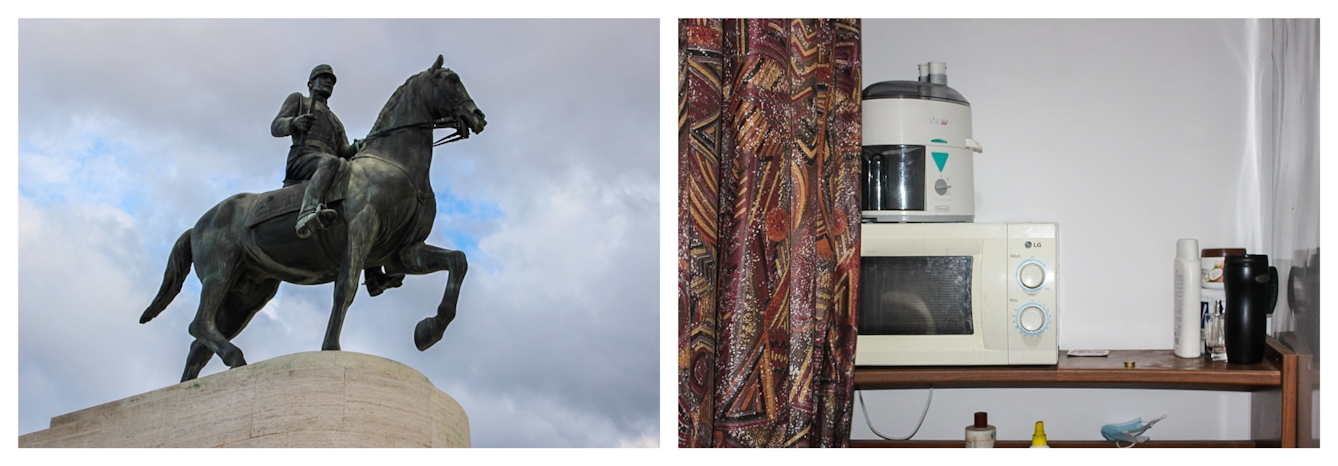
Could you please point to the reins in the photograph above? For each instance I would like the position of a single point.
(448, 122)
(445, 122)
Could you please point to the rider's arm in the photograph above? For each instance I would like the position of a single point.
(292, 107)
(345, 149)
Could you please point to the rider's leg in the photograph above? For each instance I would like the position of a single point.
(314, 216)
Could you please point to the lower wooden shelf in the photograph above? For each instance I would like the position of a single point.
(1273, 381)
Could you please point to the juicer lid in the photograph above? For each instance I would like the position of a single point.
(913, 90)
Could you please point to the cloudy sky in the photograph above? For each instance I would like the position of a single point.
(129, 130)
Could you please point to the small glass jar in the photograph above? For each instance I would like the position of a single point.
(1214, 336)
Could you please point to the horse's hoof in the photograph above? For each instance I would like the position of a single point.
(427, 334)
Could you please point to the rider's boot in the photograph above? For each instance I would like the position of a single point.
(314, 216)
(314, 219)
(378, 282)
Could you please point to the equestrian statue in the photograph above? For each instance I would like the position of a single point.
(345, 208)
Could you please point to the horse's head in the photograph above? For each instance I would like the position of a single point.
(450, 100)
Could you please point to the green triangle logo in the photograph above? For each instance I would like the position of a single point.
(940, 158)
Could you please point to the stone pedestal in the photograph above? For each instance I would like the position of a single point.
(318, 399)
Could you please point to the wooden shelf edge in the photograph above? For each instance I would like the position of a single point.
(963, 377)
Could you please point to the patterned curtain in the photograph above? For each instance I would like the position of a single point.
(768, 231)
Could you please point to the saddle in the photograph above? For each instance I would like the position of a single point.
(288, 199)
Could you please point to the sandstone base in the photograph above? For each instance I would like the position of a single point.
(308, 400)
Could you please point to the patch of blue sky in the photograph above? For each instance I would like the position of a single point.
(93, 170)
(463, 222)
(26, 187)
(449, 204)
(461, 240)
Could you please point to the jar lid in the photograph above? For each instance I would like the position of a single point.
(1223, 252)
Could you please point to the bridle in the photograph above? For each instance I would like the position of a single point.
(443, 122)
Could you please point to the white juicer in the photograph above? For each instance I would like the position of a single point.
(918, 151)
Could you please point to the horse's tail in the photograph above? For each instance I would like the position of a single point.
(178, 265)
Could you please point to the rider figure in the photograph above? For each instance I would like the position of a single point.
(319, 145)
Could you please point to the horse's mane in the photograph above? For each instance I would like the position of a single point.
(383, 118)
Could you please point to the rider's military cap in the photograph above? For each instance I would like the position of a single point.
(320, 70)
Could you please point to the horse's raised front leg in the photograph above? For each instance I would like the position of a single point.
(361, 231)
(423, 259)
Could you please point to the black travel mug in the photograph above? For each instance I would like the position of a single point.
(1251, 292)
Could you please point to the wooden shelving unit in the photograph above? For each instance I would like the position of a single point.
(1273, 383)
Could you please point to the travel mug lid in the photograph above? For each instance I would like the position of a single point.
(1260, 260)
(1223, 252)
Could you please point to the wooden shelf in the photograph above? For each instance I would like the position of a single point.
(1273, 417)
(1152, 368)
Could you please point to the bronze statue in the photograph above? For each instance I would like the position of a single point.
(245, 246)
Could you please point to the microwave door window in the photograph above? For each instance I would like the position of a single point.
(915, 295)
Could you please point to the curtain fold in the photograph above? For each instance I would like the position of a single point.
(1289, 140)
(768, 230)
(1288, 126)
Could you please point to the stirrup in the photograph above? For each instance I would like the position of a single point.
(309, 222)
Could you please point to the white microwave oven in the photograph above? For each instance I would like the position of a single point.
(958, 294)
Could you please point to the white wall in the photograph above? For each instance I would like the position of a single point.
(1130, 134)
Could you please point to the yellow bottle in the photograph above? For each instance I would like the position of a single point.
(1038, 438)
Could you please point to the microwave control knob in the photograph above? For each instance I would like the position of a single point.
(1031, 275)
(1032, 319)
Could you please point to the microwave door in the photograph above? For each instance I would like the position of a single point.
(917, 295)
(932, 301)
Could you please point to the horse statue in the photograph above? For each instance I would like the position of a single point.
(245, 246)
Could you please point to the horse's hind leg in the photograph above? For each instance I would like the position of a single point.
(241, 304)
(214, 290)
(424, 259)
(196, 359)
